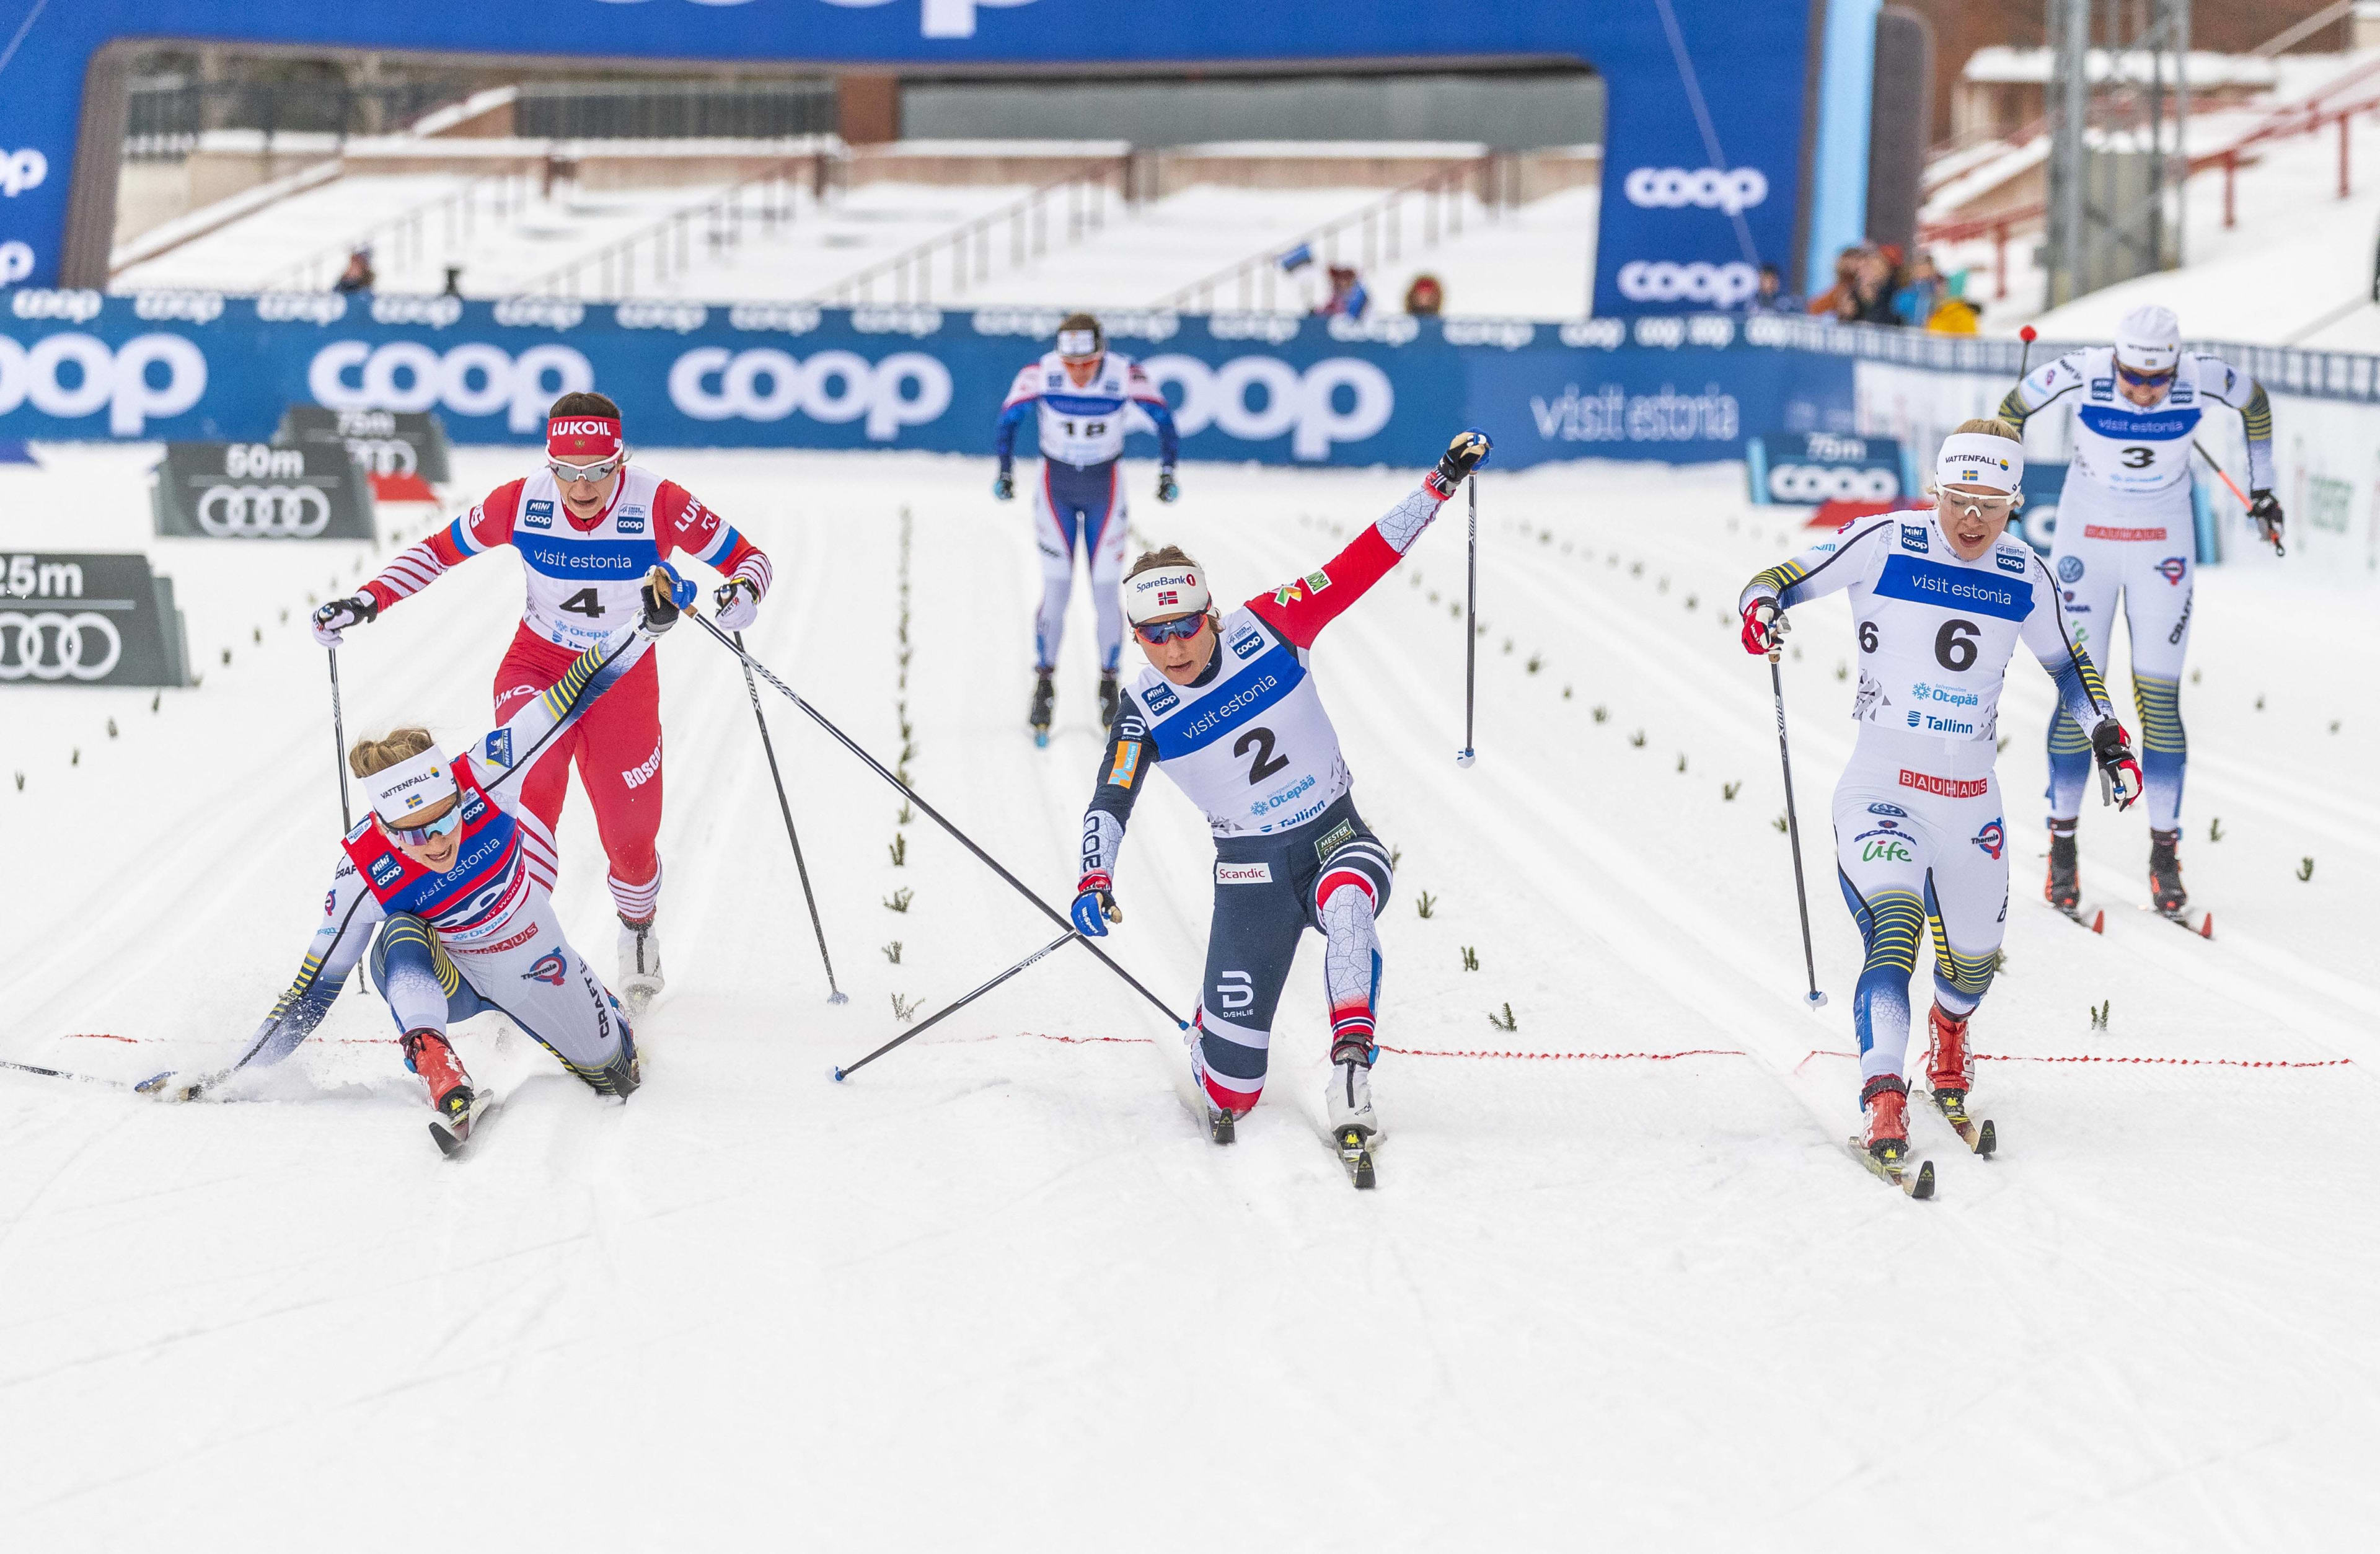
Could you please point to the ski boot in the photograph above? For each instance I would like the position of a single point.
(1885, 1099)
(428, 1054)
(1222, 1123)
(2165, 872)
(2064, 886)
(1111, 698)
(1949, 1063)
(1349, 1102)
(620, 1076)
(640, 964)
(1045, 699)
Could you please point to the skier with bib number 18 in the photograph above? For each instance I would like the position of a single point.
(588, 528)
(1229, 707)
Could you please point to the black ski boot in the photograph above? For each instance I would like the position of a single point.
(1110, 698)
(2064, 888)
(2165, 872)
(1045, 698)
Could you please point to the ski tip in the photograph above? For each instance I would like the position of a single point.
(2099, 921)
(151, 1084)
(1923, 1188)
(1988, 1139)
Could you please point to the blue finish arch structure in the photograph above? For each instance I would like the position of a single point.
(1707, 163)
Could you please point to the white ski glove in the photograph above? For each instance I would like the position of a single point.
(335, 618)
(736, 603)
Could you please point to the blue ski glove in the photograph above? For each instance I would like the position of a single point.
(1095, 907)
(1004, 485)
(1166, 488)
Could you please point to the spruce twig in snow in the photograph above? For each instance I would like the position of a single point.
(2214, 830)
(893, 952)
(899, 900)
(1726, 791)
(1470, 958)
(902, 1010)
(2305, 869)
(899, 850)
(1601, 714)
(1426, 904)
(1507, 1023)
(2099, 1014)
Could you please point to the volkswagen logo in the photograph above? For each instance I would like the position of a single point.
(54, 646)
(275, 512)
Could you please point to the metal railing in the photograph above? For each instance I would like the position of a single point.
(163, 118)
(765, 202)
(1031, 227)
(673, 110)
(402, 241)
(1439, 199)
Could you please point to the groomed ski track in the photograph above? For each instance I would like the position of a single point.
(998, 1291)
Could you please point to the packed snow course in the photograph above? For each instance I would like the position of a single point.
(1622, 1283)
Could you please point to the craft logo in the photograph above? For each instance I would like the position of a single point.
(549, 969)
(2171, 569)
(1991, 839)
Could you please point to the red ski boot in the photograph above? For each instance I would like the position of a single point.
(1949, 1065)
(427, 1054)
(1885, 1100)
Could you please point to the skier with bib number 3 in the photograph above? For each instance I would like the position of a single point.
(1229, 707)
(588, 528)
(1940, 602)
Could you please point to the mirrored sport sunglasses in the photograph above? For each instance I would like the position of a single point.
(1182, 629)
(419, 836)
(2144, 379)
(601, 471)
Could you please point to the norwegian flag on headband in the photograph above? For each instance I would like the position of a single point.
(582, 437)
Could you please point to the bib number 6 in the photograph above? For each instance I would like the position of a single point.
(1266, 763)
(1954, 645)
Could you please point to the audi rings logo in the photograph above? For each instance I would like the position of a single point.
(1711, 188)
(385, 455)
(1722, 286)
(1820, 482)
(55, 646)
(272, 512)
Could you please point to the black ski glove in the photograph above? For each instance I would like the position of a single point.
(1466, 453)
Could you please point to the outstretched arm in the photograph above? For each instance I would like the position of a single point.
(349, 913)
(513, 748)
(685, 524)
(482, 528)
(1151, 402)
(2049, 383)
(1300, 608)
(1130, 756)
(2217, 379)
(2079, 689)
(1024, 398)
(1828, 566)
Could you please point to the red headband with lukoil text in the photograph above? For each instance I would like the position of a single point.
(582, 438)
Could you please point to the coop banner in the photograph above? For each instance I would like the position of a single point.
(182, 367)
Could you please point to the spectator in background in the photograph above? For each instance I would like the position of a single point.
(1771, 296)
(454, 281)
(1876, 281)
(1425, 299)
(1918, 295)
(357, 276)
(1956, 315)
(1348, 299)
(1836, 300)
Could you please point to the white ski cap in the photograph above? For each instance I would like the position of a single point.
(413, 784)
(2149, 340)
(1165, 591)
(1979, 458)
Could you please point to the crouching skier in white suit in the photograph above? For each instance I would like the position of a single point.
(466, 921)
(1939, 600)
(1229, 707)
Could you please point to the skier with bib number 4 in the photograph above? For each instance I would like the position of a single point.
(1082, 397)
(1229, 707)
(588, 528)
(463, 909)
(2125, 525)
(1941, 599)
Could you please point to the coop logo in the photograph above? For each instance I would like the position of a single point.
(263, 512)
(71, 376)
(1339, 399)
(52, 645)
(22, 170)
(907, 388)
(473, 379)
(1732, 190)
(1818, 482)
(1721, 285)
(16, 261)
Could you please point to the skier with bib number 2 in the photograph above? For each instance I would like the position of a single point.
(588, 528)
(1940, 602)
(1230, 708)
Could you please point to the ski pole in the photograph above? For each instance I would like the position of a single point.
(1057, 943)
(2229, 485)
(2024, 357)
(1471, 628)
(835, 994)
(931, 813)
(339, 739)
(1815, 999)
(63, 1073)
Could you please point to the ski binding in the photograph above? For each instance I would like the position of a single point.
(1355, 1154)
(451, 1135)
(1982, 1137)
(1918, 1186)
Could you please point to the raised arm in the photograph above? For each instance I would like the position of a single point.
(1300, 608)
(2049, 383)
(512, 750)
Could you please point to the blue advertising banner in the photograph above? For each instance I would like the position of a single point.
(1703, 154)
(200, 367)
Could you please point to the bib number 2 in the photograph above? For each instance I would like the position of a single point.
(1260, 740)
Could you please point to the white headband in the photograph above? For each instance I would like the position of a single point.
(1979, 458)
(411, 785)
(1162, 591)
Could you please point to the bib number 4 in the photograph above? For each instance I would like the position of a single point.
(583, 602)
(1260, 740)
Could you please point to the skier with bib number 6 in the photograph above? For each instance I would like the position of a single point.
(1940, 602)
(588, 528)
(1229, 707)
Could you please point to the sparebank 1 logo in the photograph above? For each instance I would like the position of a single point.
(937, 18)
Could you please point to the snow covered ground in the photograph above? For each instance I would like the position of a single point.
(1621, 1284)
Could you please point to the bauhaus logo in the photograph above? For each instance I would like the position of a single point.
(1708, 188)
(473, 379)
